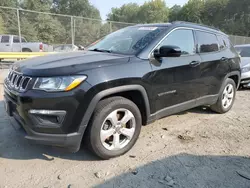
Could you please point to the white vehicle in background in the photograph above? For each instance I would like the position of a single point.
(67, 48)
(11, 43)
(244, 51)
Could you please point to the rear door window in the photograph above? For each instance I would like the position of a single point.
(16, 39)
(5, 39)
(207, 42)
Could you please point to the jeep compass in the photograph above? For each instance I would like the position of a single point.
(102, 96)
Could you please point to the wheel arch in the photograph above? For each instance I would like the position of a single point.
(235, 76)
(117, 91)
(26, 50)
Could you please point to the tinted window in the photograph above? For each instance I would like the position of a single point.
(207, 42)
(243, 51)
(222, 42)
(5, 39)
(16, 40)
(184, 39)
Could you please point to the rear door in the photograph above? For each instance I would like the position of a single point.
(214, 63)
(5, 43)
(175, 79)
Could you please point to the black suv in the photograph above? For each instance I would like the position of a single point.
(132, 77)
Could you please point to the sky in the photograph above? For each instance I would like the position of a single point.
(105, 5)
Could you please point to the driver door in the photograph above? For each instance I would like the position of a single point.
(175, 81)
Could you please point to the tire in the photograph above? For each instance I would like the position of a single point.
(220, 106)
(101, 122)
(26, 50)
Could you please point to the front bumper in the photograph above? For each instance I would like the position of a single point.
(71, 142)
(67, 134)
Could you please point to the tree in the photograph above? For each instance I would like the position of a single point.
(75, 8)
(153, 11)
(126, 13)
(85, 29)
(28, 30)
(150, 12)
(192, 11)
(40, 26)
(42, 6)
(214, 12)
(2, 26)
(9, 3)
(237, 18)
(174, 13)
(9, 17)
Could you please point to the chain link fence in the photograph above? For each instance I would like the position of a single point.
(57, 29)
(54, 29)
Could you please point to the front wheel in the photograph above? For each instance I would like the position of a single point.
(114, 128)
(226, 97)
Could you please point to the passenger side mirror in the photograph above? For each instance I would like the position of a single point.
(167, 51)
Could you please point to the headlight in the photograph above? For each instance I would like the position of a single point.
(245, 69)
(53, 84)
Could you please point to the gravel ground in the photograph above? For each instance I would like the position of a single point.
(196, 148)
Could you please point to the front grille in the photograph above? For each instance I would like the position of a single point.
(17, 81)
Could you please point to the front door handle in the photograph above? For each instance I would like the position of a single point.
(194, 63)
(7, 45)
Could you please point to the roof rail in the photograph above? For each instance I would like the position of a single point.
(184, 22)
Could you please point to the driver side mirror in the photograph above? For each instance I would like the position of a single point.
(167, 51)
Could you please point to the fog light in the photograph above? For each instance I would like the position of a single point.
(47, 117)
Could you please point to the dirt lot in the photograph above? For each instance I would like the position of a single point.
(197, 148)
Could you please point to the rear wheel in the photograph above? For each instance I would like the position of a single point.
(114, 127)
(226, 98)
(26, 50)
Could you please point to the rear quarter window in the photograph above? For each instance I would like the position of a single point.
(207, 42)
(16, 39)
(222, 42)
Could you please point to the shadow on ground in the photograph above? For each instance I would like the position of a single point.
(198, 110)
(187, 171)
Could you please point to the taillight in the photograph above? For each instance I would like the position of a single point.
(41, 47)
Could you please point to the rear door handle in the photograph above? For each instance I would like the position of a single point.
(194, 63)
(7, 45)
(224, 59)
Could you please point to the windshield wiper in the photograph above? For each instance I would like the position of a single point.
(101, 50)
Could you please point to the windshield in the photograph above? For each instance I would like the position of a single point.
(130, 40)
(243, 51)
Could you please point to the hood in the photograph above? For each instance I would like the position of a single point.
(61, 64)
(245, 61)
